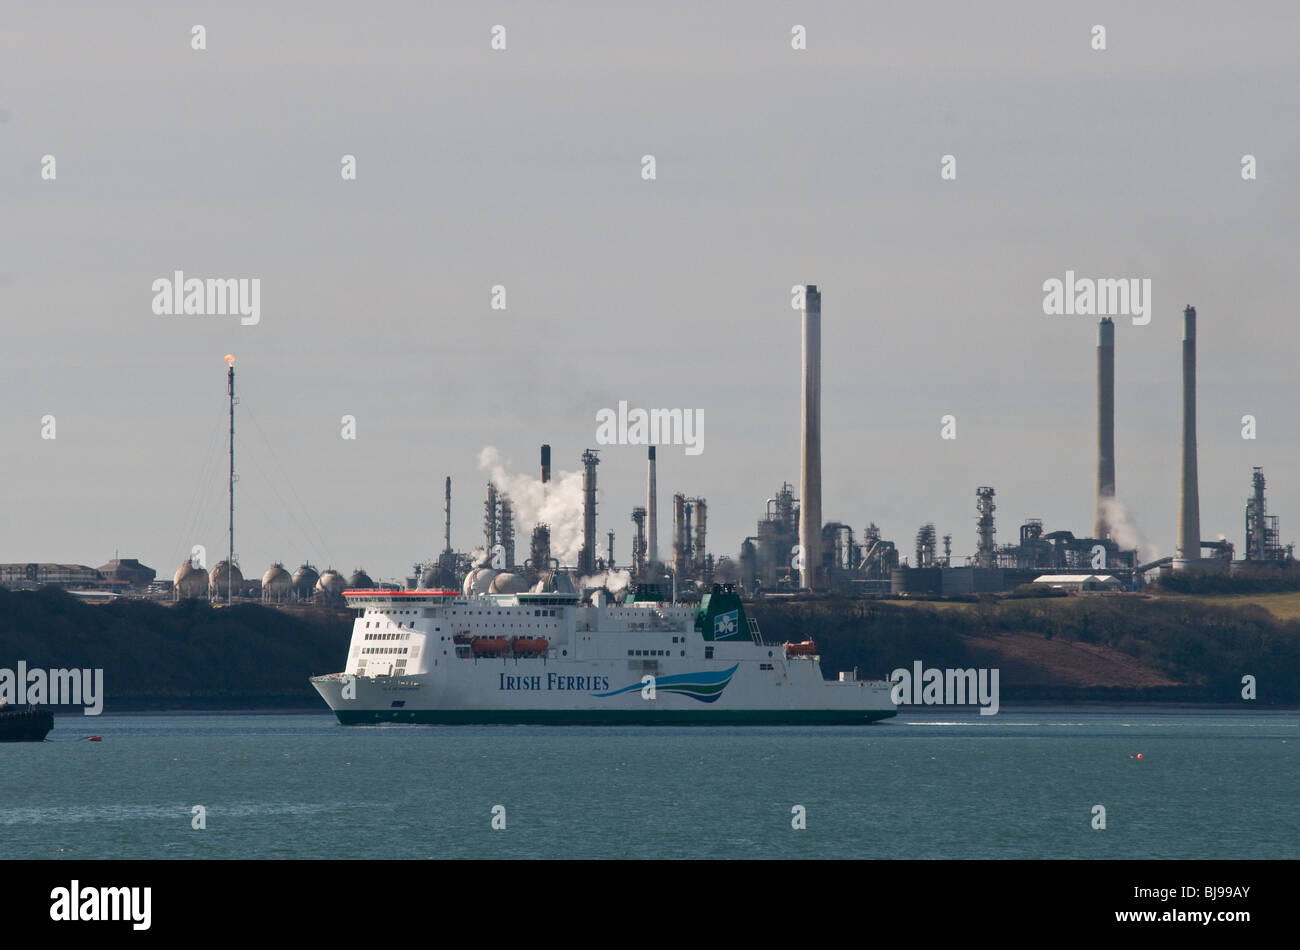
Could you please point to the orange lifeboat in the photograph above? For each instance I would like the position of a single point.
(490, 646)
(805, 648)
(530, 647)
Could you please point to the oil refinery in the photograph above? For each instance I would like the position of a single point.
(793, 552)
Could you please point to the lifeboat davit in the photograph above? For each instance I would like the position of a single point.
(462, 639)
(490, 646)
(529, 647)
(804, 648)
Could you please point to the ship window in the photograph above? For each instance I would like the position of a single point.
(629, 652)
(708, 653)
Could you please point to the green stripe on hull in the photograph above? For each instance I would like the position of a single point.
(614, 717)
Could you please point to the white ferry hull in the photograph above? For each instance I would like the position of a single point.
(436, 657)
(487, 695)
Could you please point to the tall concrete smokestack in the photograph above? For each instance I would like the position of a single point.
(1189, 521)
(652, 513)
(587, 558)
(1105, 426)
(546, 464)
(446, 512)
(810, 472)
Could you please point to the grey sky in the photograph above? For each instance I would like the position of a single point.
(522, 168)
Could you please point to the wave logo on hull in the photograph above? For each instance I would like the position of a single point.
(706, 687)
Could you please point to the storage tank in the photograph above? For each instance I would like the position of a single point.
(479, 580)
(225, 578)
(190, 581)
(304, 581)
(508, 584)
(277, 585)
(330, 587)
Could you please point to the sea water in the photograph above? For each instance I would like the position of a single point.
(1171, 783)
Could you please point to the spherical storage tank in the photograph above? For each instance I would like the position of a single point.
(360, 580)
(304, 581)
(508, 584)
(479, 580)
(277, 585)
(331, 583)
(217, 584)
(190, 581)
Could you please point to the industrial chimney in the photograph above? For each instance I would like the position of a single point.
(701, 536)
(1105, 426)
(638, 542)
(546, 464)
(810, 473)
(679, 535)
(652, 513)
(446, 512)
(1189, 521)
(587, 559)
(490, 519)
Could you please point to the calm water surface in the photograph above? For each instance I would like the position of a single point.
(925, 785)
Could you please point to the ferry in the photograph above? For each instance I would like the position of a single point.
(447, 657)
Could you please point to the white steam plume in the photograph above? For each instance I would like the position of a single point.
(1125, 532)
(557, 503)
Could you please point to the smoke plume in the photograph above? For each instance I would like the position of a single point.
(557, 503)
(1125, 532)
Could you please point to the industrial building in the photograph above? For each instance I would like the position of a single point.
(32, 576)
(1080, 582)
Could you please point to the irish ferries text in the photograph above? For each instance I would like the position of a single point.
(554, 681)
